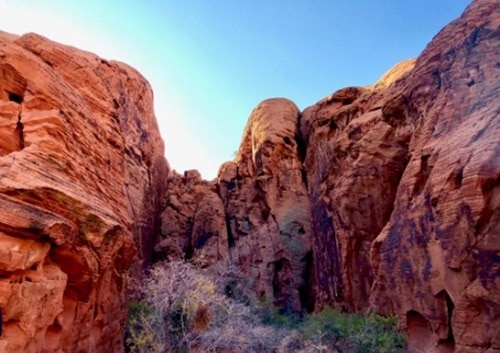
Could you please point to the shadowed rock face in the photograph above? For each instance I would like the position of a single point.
(354, 161)
(193, 223)
(81, 175)
(404, 184)
(436, 261)
(384, 197)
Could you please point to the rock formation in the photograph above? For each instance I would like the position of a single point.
(193, 223)
(436, 261)
(255, 215)
(267, 207)
(385, 197)
(401, 183)
(82, 176)
(404, 184)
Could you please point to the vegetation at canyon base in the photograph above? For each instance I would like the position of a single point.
(183, 309)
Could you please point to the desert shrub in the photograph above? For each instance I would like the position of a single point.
(144, 329)
(185, 310)
(181, 308)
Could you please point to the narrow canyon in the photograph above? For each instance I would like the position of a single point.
(383, 198)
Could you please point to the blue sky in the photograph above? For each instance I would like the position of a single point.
(211, 62)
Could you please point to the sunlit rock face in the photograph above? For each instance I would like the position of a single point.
(82, 175)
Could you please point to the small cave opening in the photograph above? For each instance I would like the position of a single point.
(13, 97)
(282, 285)
(348, 100)
(419, 332)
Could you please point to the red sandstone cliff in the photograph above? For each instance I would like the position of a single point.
(384, 197)
(256, 214)
(436, 261)
(81, 175)
(267, 207)
(404, 185)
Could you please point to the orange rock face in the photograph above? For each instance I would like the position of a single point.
(437, 261)
(255, 215)
(384, 197)
(82, 176)
(354, 161)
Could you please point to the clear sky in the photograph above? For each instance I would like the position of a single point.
(210, 62)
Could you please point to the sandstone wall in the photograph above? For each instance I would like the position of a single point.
(267, 207)
(384, 197)
(82, 177)
(255, 215)
(437, 260)
(404, 184)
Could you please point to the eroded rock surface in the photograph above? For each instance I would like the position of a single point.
(404, 184)
(82, 177)
(255, 215)
(193, 222)
(437, 261)
(355, 159)
(267, 206)
(384, 197)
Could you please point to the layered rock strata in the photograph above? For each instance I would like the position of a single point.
(384, 197)
(82, 177)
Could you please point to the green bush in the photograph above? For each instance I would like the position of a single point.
(354, 332)
(273, 316)
(143, 329)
